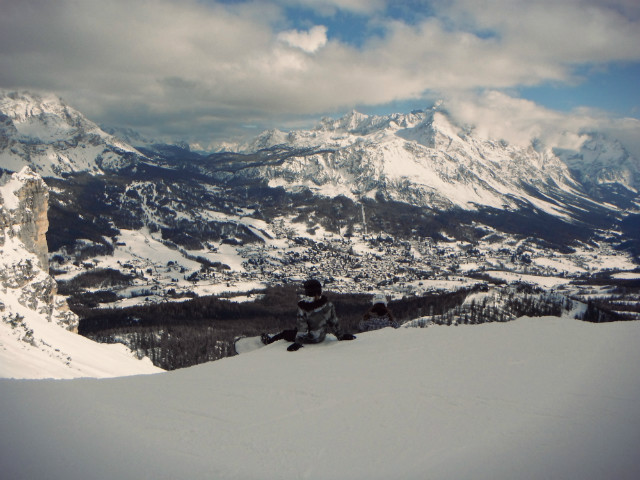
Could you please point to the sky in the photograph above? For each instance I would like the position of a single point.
(214, 70)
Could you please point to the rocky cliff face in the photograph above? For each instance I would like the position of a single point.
(24, 213)
(24, 267)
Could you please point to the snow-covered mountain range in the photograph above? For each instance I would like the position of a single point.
(423, 158)
(52, 138)
(426, 159)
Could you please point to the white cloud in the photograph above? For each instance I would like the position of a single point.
(495, 115)
(330, 7)
(203, 69)
(309, 41)
(567, 32)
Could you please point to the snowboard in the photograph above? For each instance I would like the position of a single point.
(247, 344)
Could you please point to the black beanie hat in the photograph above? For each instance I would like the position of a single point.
(312, 288)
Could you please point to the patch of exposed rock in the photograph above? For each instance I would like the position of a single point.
(24, 263)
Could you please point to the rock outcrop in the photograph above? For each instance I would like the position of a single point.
(24, 266)
(26, 214)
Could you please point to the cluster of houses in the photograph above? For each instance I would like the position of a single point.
(355, 264)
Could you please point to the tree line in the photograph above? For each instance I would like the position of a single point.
(511, 304)
(181, 334)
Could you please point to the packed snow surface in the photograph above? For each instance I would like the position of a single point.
(531, 399)
(58, 353)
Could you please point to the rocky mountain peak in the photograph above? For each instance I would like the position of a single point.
(44, 117)
(603, 161)
(52, 138)
(357, 123)
(24, 268)
(21, 105)
(24, 203)
(352, 122)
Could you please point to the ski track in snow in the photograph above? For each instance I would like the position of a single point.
(535, 398)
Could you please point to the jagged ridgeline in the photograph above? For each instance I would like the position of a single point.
(404, 174)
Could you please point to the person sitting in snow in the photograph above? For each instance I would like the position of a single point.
(316, 317)
(378, 316)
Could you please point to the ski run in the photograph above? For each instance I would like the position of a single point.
(552, 398)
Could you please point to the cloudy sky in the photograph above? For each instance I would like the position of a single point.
(210, 70)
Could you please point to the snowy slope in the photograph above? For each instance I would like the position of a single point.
(52, 138)
(51, 351)
(531, 399)
(602, 161)
(35, 339)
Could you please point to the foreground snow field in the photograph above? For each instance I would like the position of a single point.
(531, 399)
(58, 353)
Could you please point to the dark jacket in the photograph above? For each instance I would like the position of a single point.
(315, 319)
(379, 316)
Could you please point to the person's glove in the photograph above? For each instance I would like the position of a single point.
(294, 347)
(347, 336)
